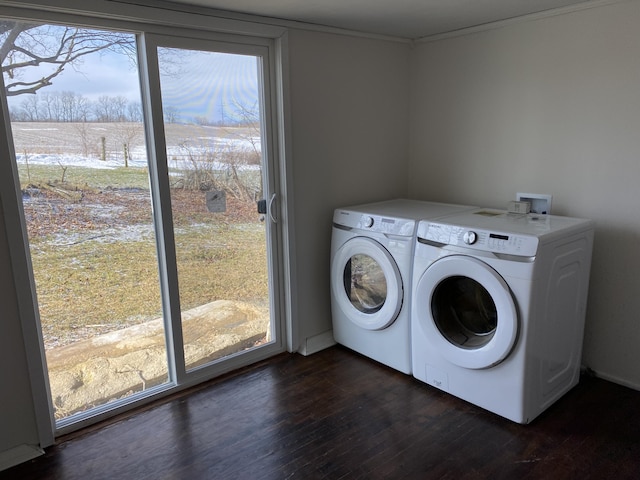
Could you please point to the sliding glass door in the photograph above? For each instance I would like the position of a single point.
(208, 101)
(140, 160)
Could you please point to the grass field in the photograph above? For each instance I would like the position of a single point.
(94, 250)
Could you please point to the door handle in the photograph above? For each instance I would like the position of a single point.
(264, 208)
(270, 209)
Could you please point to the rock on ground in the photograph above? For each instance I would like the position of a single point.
(109, 366)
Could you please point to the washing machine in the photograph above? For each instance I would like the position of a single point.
(498, 308)
(371, 260)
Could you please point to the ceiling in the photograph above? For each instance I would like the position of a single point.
(399, 18)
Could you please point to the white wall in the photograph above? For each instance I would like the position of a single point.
(546, 106)
(349, 100)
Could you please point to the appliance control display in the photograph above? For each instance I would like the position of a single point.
(522, 245)
(499, 237)
(501, 242)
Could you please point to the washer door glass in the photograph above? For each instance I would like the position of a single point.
(366, 283)
(466, 312)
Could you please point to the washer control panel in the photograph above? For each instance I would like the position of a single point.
(374, 223)
(490, 241)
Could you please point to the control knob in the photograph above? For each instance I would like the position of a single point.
(367, 221)
(470, 237)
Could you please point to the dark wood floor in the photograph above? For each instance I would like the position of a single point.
(337, 415)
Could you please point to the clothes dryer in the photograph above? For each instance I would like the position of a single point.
(371, 260)
(499, 306)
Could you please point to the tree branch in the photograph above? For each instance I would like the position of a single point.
(29, 45)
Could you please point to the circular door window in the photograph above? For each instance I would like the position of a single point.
(366, 283)
(466, 311)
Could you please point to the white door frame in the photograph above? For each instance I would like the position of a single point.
(200, 23)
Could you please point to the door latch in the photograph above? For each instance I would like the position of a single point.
(266, 207)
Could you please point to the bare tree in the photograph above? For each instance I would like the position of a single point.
(30, 108)
(26, 47)
(83, 109)
(51, 106)
(69, 106)
(134, 111)
(119, 108)
(248, 118)
(103, 109)
(171, 114)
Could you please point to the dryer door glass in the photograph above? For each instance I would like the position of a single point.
(464, 312)
(365, 283)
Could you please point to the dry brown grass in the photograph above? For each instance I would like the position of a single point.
(95, 264)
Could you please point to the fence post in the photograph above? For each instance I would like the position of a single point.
(103, 151)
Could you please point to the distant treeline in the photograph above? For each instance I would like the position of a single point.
(73, 107)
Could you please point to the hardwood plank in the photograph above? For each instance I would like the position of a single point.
(338, 415)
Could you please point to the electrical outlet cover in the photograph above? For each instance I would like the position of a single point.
(540, 203)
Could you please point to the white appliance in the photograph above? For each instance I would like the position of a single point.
(498, 308)
(371, 260)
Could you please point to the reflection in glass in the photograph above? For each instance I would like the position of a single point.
(464, 312)
(365, 283)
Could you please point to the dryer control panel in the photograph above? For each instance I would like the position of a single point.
(477, 239)
(374, 223)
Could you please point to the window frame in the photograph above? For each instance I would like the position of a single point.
(197, 24)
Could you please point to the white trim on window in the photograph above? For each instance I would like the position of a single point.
(205, 25)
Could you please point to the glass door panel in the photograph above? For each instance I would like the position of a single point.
(213, 134)
(151, 265)
(79, 141)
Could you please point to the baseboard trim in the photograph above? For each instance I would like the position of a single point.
(614, 379)
(317, 343)
(16, 455)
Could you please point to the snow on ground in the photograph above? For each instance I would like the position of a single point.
(67, 144)
(70, 160)
(138, 158)
(130, 233)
